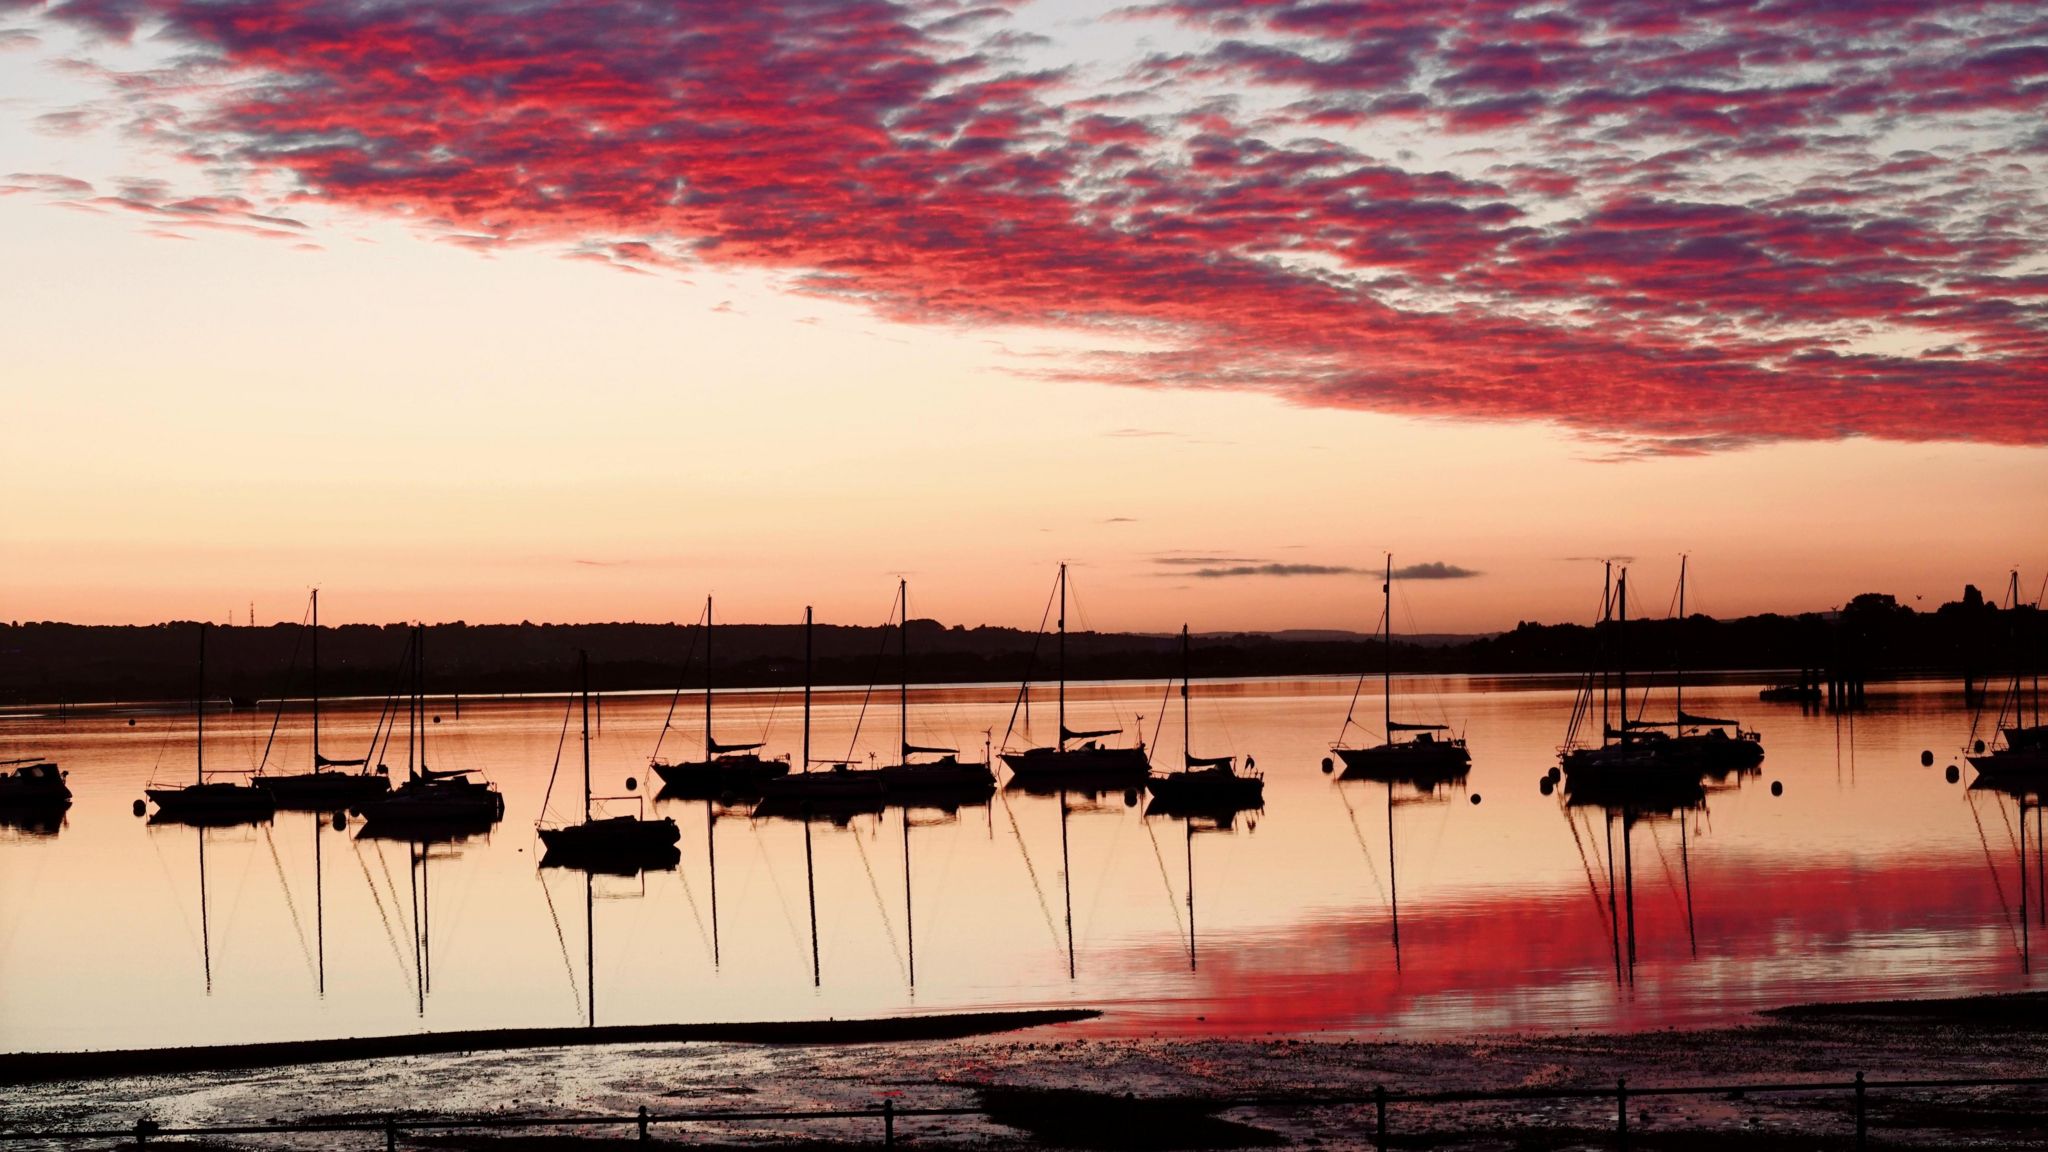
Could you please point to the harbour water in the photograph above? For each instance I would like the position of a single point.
(1339, 907)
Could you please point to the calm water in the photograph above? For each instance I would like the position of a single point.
(1869, 876)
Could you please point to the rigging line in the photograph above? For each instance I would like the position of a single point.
(1997, 883)
(682, 677)
(387, 718)
(1359, 834)
(881, 906)
(568, 965)
(696, 913)
(235, 905)
(377, 900)
(561, 742)
(1670, 875)
(1358, 686)
(1102, 879)
(179, 903)
(391, 886)
(291, 906)
(874, 673)
(1180, 927)
(1592, 882)
(1044, 907)
(796, 935)
(298, 637)
(1030, 663)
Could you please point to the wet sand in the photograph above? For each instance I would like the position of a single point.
(1057, 1088)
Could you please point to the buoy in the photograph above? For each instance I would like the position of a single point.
(1475, 797)
(1546, 786)
(1556, 773)
(437, 719)
(131, 721)
(1980, 747)
(631, 783)
(1777, 787)
(1130, 797)
(141, 806)
(1954, 774)
(1926, 758)
(1328, 766)
(340, 821)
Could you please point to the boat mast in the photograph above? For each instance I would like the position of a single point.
(1606, 664)
(1678, 673)
(1063, 658)
(199, 712)
(1620, 661)
(903, 650)
(584, 660)
(1187, 749)
(709, 752)
(419, 687)
(1387, 641)
(316, 680)
(807, 724)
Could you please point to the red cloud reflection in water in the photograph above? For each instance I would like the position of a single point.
(1701, 245)
(1545, 960)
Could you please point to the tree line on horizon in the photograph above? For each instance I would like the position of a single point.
(49, 662)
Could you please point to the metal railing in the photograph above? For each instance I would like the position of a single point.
(643, 1122)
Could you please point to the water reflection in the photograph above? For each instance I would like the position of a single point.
(1649, 910)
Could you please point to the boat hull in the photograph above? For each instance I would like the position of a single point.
(720, 776)
(1104, 768)
(2006, 766)
(1205, 791)
(623, 844)
(947, 780)
(1412, 761)
(35, 786)
(212, 803)
(324, 791)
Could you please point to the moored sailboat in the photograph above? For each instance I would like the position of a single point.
(2017, 753)
(1088, 763)
(1428, 754)
(1706, 740)
(432, 800)
(323, 788)
(1205, 784)
(1630, 759)
(839, 790)
(726, 769)
(209, 801)
(613, 841)
(947, 779)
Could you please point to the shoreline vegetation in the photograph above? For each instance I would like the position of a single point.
(1091, 1088)
(1873, 636)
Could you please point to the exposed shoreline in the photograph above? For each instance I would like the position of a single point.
(40, 1067)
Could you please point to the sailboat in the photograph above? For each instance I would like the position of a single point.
(323, 789)
(1205, 784)
(840, 790)
(628, 841)
(1090, 763)
(1633, 760)
(726, 769)
(2018, 752)
(203, 800)
(1425, 755)
(431, 799)
(948, 778)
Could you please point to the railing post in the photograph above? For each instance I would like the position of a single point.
(1379, 1108)
(888, 1123)
(144, 1129)
(1621, 1110)
(643, 1124)
(1859, 1112)
(391, 1134)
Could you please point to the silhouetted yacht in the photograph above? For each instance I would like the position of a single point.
(32, 782)
(1089, 764)
(839, 790)
(947, 779)
(431, 800)
(1205, 784)
(1635, 755)
(1706, 740)
(2018, 751)
(727, 769)
(203, 800)
(323, 789)
(617, 840)
(1427, 754)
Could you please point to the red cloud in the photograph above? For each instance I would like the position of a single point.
(1619, 280)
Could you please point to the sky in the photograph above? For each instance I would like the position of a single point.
(579, 311)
